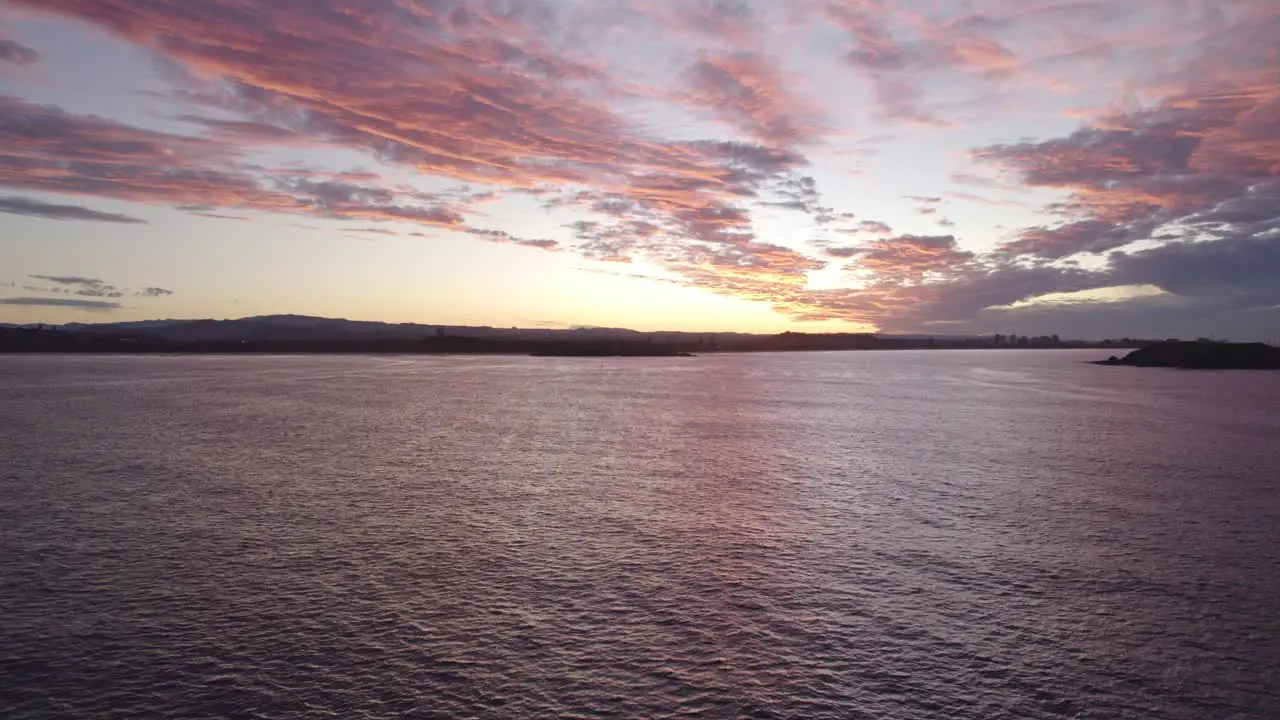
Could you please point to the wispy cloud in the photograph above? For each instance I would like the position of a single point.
(91, 305)
(82, 286)
(53, 211)
(910, 258)
(12, 51)
(746, 89)
(67, 279)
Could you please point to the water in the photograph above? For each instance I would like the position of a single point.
(832, 535)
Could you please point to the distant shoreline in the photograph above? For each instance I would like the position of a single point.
(569, 353)
(291, 334)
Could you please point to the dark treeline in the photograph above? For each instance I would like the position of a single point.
(58, 340)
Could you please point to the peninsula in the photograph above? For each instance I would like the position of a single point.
(1202, 355)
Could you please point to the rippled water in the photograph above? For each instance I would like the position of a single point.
(831, 535)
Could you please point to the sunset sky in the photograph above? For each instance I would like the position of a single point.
(1092, 169)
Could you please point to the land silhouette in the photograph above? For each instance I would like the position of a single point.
(304, 334)
(1202, 355)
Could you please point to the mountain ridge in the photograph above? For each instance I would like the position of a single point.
(315, 334)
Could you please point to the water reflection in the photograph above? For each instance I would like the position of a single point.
(891, 535)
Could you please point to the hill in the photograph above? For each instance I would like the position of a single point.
(307, 334)
(1202, 356)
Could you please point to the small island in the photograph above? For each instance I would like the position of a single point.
(1202, 355)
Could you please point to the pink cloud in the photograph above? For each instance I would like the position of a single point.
(500, 100)
(983, 54)
(909, 258)
(1130, 173)
(49, 150)
(747, 90)
(900, 51)
(465, 94)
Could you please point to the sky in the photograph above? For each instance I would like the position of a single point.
(1092, 169)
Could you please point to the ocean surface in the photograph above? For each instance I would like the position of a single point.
(947, 534)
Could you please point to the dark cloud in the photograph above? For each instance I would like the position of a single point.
(240, 130)
(502, 236)
(333, 195)
(67, 279)
(1199, 174)
(842, 252)
(1238, 271)
(75, 285)
(32, 132)
(794, 191)
(1156, 317)
(986, 286)
(1198, 159)
(104, 291)
(612, 241)
(1093, 236)
(35, 208)
(92, 305)
(12, 51)
(89, 287)
(372, 231)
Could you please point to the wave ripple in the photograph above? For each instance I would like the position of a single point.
(843, 535)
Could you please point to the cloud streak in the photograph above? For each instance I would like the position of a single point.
(74, 303)
(81, 286)
(67, 279)
(53, 211)
(746, 89)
